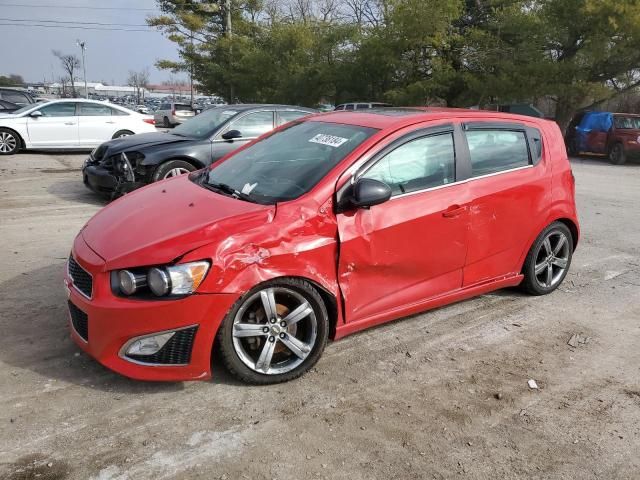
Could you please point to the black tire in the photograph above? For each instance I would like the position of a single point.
(122, 133)
(572, 148)
(166, 123)
(532, 283)
(10, 142)
(164, 169)
(617, 155)
(231, 358)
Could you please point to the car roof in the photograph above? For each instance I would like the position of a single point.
(396, 117)
(241, 107)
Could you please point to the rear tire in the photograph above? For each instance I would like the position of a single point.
(10, 142)
(617, 155)
(294, 339)
(548, 261)
(172, 168)
(572, 148)
(166, 123)
(122, 133)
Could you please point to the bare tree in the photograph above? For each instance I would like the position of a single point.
(69, 64)
(138, 80)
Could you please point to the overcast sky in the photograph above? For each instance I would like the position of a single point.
(110, 54)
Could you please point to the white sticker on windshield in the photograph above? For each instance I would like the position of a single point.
(329, 140)
(248, 187)
(229, 112)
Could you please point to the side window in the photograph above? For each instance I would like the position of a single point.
(290, 115)
(340, 107)
(419, 164)
(349, 106)
(93, 110)
(361, 106)
(496, 150)
(65, 109)
(254, 124)
(15, 97)
(115, 111)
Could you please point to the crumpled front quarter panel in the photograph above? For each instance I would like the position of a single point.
(301, 241)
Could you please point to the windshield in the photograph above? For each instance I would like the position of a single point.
(631, 123)
(205, 124)
(288, 163)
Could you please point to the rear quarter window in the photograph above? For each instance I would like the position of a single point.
(493, 151)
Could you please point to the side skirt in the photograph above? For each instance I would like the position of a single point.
(424, 305)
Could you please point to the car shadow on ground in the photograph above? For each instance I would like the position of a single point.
(603, 160)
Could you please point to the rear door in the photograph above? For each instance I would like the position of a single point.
(250, 125)
(412, 247)
(56, 128)
(509, 189)
(96, 123)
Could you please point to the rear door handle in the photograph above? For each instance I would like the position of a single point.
(454, 211)
(69, 123)
(110, 121)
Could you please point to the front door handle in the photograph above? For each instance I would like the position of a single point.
(69, 123)
(454, 211)
(110, 121)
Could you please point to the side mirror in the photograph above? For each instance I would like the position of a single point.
(35, 114)
(231, 134)
(368, 192)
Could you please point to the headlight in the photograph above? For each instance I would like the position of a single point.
(182, 279)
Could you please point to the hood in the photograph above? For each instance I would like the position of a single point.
(140, 141)
(161, 222)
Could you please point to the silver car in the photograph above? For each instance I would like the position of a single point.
(172, 114)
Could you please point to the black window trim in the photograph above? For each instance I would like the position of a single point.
(280, 119)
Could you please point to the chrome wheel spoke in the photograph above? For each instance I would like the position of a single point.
(561, 241)
(298, 314)
(547, 246)
(299, 348)
(241, 330)
(269, 303)
(264, 361)
(560, 262)
(549, 275)
(541, 267)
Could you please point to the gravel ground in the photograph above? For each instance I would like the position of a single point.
(438, 395)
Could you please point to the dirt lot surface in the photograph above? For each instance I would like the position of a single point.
(438, 395)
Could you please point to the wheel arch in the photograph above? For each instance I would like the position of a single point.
(114, 136)
(185, 158)
(568, 222)
(15, 132)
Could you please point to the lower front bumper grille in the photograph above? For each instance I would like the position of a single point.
(80, 321)
(82, 279)
(177, 351)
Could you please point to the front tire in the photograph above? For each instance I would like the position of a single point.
(617, 155)
(548, 261)
(172, 168)
(10, 142)
(275, 332)
(166, 123)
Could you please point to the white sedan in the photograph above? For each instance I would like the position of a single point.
(68, 124)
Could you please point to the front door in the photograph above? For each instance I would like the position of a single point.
(412, 247)
(56, 128)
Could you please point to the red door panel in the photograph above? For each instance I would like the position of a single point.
(502, 214)
(406, 250)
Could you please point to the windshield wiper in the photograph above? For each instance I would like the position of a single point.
(229, 190)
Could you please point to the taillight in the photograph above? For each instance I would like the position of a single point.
(150, 121)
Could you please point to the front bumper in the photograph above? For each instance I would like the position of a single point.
(113, 321)
(103, 181)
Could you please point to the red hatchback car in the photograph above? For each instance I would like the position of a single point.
(319, 229)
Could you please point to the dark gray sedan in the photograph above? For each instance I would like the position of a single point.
(124, 164)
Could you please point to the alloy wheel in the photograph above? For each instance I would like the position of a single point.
(274, 330)
(174, 172)
(8, 142)
(552, 259)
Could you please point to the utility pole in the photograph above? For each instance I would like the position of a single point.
(84, 67)
(228, 31)
(191, 70)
